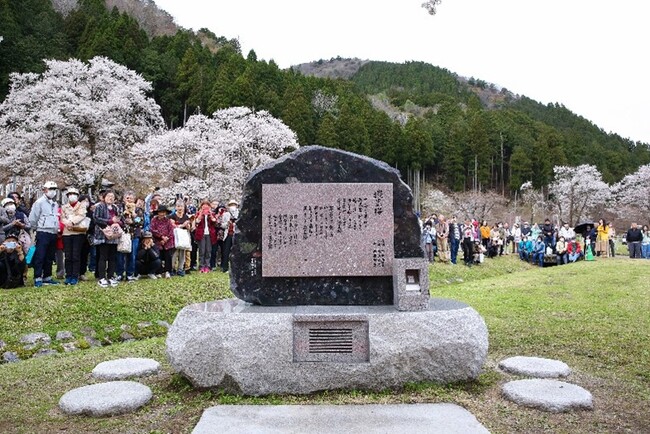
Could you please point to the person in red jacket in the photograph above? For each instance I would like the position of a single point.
(162, 229)
(574, 250)
(205, 234)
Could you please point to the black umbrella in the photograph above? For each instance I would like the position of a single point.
(582, 227)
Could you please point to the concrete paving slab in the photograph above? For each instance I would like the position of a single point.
(349, 419)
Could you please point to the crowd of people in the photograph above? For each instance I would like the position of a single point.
(117, 239)
(538, 244)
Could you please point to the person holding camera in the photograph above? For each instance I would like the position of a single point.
(148, 258)
(205, 234)
(12, 262)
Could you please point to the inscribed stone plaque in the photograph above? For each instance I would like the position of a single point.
(327, 229)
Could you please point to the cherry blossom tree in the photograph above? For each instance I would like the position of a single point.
(534, 199)
(632, 193)
(76, 121)
(212, 157)
(577, 192)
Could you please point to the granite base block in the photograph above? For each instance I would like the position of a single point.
(251, 350)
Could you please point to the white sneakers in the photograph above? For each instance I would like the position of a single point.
(106, 283)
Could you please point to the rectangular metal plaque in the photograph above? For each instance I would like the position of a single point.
(331, 341)
(327, 230)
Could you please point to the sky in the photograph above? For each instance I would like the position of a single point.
(589, 55)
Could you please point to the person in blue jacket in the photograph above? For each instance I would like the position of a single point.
(538, 251)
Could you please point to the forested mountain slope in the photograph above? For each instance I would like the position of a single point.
(423, 119)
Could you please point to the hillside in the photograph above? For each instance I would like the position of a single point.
(425, 120)
(153, 20)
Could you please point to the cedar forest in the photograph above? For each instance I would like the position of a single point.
(453, 135)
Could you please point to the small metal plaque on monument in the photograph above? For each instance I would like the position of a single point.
(327, 230)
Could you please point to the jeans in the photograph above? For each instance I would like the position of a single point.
(562, 258)
(538, 258)
(126, 261)
(44, 255)
(645, 251)
(454, 243)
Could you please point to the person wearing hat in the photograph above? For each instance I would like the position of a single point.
(148, 258)
(44, 218)
(75, 225)
(106, 215)
(12, 262)
(162, 229)
(228, 222)
(15, 219)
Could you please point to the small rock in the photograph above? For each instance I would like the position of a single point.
(10, 357)
(126, 337)
(2, 344)
(109, 329)
(88, 331)
(125, 327)
(163, 324)
(107, 341)
(144, 325)
(115, 397)
(44, 352)
(29, 347)
(92, 341)
(36, 338)
(68, 347)
(64, 336)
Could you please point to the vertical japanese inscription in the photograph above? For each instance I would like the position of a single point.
(327, 230)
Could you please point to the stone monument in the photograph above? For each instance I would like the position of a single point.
(332, 289)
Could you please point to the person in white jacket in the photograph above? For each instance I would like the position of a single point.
(567, 232)
(44, 218)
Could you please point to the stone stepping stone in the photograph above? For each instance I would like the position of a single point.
(548, 395)
(323, 419)
(124, 368)
(104, 399)
(535, 367)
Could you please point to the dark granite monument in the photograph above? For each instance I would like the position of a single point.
(333, 289)
(335, 222)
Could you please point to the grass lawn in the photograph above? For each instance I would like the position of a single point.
(591, 315)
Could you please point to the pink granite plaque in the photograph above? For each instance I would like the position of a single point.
(327, 230)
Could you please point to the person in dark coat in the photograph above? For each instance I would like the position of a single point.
(12, 262)
(634, 236)
(148, 261)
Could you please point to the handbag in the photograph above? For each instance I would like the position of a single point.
(112, 232)
(182, 239)
(124, 245)
(82, 226)
(25, 240)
